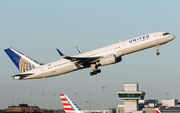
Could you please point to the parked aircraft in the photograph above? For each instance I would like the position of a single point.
(107, 55)
(157, 110)
(71, 107)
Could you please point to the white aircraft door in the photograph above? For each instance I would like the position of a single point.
(156, 37)
(124, 46)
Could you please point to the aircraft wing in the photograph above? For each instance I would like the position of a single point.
(80, 60)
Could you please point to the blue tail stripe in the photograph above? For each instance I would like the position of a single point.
(13, 56)
(74, 104)
(22, 62)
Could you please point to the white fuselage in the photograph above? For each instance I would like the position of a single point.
(63, 66)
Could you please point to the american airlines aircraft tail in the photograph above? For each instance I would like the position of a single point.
(69, 105)
(157, 110)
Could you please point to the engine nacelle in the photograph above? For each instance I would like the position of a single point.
(110, 59)
(16, 77)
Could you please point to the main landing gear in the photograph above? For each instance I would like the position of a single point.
(95, 72)
(157, 49)
(95, 69)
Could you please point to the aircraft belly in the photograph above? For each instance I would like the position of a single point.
(56, 72)
(64, 70)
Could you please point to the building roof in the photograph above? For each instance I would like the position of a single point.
(172, 109)
(23, 108)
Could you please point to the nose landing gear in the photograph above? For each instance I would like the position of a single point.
(157, 49)
(157, 53)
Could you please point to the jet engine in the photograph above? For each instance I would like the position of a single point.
(17, 77)
(110, 59)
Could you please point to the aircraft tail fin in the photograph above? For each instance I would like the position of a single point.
(69, 105)
(157, 110)
(22, 62)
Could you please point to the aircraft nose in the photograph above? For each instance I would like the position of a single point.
(172, 37)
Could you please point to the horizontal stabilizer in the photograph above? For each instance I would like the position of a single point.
(23, 74)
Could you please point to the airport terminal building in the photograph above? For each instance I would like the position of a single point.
(23, 108)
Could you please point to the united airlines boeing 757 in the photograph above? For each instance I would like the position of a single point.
(107, 55)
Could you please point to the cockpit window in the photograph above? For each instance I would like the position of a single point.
(166, 34)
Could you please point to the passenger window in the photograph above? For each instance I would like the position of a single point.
(166, 34)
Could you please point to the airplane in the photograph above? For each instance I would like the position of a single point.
(69, 105)
(157, 110)
(103, 56)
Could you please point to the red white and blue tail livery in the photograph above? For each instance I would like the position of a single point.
(157, 110)
(69, 105)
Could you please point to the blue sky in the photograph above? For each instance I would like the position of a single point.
(37, 28)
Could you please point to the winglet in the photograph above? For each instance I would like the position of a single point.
(79, 50)
(61, 54)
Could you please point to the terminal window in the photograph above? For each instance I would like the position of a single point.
(130, 95)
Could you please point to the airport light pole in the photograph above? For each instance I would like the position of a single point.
(30, 102)
(102, 89)
(76, 97)
(12, 100)
(90, 102)
(167, 96)
(42, 101)
(27, 101)
(54, 102)
(87, 104)
(18, 101)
